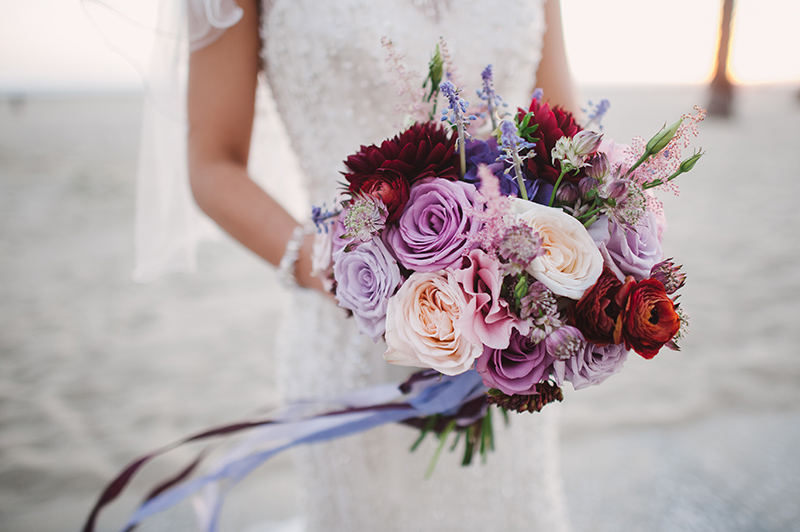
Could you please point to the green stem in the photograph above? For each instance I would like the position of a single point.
(555, 188)
(428, 426)
(590, 213)
(491, 114)
(638, 163)
(657, 182)
(518, 170)
(442, 441)
(462, 148)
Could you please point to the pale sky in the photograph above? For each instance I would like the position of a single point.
(51, 45)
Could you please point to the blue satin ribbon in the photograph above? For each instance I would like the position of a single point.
(437, 396)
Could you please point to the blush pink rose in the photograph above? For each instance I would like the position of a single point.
(422, 325)
(486, 318)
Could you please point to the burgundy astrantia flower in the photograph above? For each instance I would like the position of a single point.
(554, 123)
(423, 150)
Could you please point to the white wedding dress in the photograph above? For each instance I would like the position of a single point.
(326, 70)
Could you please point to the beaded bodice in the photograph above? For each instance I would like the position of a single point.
(328, 73)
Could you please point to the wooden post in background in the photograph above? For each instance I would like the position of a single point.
(721, 87)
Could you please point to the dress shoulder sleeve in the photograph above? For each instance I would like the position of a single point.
(208, 20)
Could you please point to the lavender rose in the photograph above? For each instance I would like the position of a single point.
(430, 233)
(634, 251)
(592, 366)
(517, 369)
(366, 277)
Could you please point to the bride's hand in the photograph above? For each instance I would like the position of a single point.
(303, 268)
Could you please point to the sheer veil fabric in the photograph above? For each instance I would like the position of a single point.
(326, 78)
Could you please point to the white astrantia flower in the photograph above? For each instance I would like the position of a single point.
(573, 152)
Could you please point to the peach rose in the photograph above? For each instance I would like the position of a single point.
(571, 262)
(421, 325)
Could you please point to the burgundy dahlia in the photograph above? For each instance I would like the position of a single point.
(553, 124)
(423, 150)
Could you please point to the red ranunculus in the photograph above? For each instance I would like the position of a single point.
(598, 310)
(648, 319)
(387, 185)
(553, 124)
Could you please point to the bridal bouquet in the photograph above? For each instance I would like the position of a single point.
(518, 245)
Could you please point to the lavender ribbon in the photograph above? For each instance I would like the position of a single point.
(426, 393)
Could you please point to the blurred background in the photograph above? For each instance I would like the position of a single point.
(97, 369)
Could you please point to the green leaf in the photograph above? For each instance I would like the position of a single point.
(521, 288)
(425, 430)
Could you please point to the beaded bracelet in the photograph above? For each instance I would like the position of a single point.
(287, 267)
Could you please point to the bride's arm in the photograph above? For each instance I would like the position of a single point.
(553, 75)
(221, 102)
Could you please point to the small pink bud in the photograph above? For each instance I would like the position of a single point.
(617, 190)
(597, 166)
(586, 185)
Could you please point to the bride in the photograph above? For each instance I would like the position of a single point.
(326, 71)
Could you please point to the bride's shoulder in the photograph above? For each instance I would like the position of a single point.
(208, 20)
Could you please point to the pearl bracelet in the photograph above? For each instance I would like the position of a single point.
(287, 267)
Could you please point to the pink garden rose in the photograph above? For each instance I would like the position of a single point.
(422, 325)
(486, 318)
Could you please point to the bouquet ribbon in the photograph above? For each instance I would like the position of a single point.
(424, 394)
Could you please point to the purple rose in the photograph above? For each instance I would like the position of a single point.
(635, 250)
(430, 234)
(366, 277)
(592, 366)
(517, 369)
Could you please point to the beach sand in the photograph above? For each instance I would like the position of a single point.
(97, 369)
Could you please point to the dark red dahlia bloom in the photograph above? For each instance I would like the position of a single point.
(421, 151)
(649, 319)
(553, 124)
(597, 312)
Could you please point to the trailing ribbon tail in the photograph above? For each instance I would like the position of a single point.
(426, 393)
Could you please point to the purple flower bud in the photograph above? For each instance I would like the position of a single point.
(597, 165)
(669, 275)
(565, 342)
(586, 185)
(567, 193)
(617, 190)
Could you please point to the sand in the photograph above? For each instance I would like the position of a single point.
(97, 369)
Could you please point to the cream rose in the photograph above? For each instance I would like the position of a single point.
(421, 325)
(571, 262)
